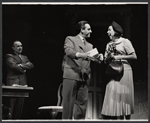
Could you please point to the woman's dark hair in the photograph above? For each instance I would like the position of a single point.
(117, 34)
(117, 28)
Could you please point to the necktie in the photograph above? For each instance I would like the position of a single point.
(84, 42)
(20, 58)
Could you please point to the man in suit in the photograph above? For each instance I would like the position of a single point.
(76, 73)
(17, 66)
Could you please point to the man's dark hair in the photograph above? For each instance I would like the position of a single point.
(81, 25)
(15, 42)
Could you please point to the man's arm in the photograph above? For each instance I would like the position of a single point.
(27, 65)
(11, 62)
(98, 58)
(69, 48)
(71, 52)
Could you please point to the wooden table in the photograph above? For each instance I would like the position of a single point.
(15, 92)
(19, 91)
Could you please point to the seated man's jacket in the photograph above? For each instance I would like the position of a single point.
(17, 74)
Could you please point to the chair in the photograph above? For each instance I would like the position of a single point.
(53, 110)
(5, 112)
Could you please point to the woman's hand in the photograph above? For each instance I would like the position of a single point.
(125, 57)
(111, 56)
(101, 57)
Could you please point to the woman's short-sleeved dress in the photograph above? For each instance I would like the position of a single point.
(119, 95)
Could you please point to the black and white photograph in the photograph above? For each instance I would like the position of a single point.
(74, 61)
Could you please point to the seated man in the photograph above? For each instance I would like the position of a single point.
(17, 65)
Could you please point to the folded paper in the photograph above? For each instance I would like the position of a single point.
(93, 52)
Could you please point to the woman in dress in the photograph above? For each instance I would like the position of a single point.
(119, 94)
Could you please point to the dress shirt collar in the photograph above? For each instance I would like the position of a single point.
(83, 39)
(17, 54)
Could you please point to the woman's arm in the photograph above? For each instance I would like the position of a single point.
(126, 57)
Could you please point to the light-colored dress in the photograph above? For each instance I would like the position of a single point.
(119, 95)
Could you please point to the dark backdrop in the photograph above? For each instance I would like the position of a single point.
(42, 30)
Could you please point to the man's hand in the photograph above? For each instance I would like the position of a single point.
(20, 65)
(82, 55)
(91, 58)
(98, 58)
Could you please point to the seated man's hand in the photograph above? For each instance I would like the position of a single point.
(20, 65)
(24, 71)
(15, 85)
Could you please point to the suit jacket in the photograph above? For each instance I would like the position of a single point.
(17, 74)
(73, 65)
